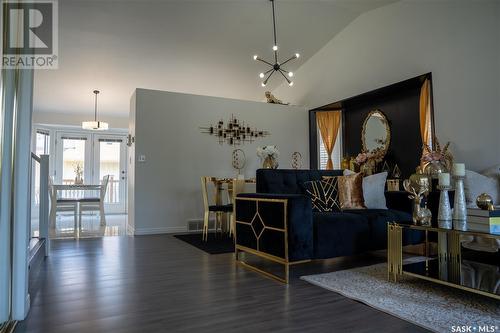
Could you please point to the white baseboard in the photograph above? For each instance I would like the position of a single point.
(162, 230)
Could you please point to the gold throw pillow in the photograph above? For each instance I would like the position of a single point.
(350, 189)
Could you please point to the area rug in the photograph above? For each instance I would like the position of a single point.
(435, 307)
(214, 245)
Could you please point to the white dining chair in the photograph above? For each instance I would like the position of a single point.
(61, 205)
(95, 203)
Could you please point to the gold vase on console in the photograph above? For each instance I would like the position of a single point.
(270, 163)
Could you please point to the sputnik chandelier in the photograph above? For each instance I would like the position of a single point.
(277, 67)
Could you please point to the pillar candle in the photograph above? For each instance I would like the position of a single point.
(458, 169)
(444, 179)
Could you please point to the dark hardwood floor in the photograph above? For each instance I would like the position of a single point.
(161, 284)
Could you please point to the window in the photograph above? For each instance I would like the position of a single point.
(336, 154)
(42, 142)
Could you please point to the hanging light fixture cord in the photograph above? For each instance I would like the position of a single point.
(96, 92)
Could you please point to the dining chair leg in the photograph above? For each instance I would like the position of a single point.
(232, 225)
(102, 215)
(205, 226)
(78, 221)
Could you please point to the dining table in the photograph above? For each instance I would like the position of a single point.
(77, 193)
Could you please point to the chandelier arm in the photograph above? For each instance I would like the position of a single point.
(262, 60)
(265, 73)
(287, 80)
(288, 60)
(269, 76)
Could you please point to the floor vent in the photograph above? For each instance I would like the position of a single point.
(197, 225)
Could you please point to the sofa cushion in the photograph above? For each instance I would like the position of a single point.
(373, 189)
(288, 181)
(476, 183)
(324, 194)
(340, 234)
(378, 219)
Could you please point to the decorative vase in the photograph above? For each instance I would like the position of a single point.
(270, 163)
(444, 212)
(434, 168)
(459, 205)
(485, 202)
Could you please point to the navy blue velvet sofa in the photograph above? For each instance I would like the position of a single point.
(277, 222)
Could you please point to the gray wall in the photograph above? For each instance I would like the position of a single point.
(458, 41)
(164, 191)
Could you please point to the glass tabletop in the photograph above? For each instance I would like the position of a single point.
(469, 232)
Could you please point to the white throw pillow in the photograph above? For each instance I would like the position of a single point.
(493, 172)
(476, 183)
(373, 190)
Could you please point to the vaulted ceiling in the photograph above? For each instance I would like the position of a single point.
(195, 46)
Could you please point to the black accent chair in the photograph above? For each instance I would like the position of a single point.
(277, 223)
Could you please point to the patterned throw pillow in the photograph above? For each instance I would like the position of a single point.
(324, 194)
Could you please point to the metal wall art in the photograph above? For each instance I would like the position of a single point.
(233, 132)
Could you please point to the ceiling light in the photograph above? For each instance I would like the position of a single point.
(275, 65)
(95, 125)
(290, 83)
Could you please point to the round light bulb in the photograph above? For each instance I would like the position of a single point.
(297, 55)
(290, 74)
(275, 48)
(261, 75)
(255, 57)
(263, 84)
(291, 83)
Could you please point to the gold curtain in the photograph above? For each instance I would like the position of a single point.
(328, 125)
(425, 113)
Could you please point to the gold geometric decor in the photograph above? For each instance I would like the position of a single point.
(234, 132)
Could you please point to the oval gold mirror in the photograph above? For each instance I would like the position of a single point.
(376, 134)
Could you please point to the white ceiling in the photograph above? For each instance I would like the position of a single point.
(195, 46)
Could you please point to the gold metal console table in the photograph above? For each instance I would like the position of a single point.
(447, 267)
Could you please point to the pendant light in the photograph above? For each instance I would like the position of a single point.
(276, 66)
(95, 125)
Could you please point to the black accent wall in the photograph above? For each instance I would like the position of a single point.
(400, 103)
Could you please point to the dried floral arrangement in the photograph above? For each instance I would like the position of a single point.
(439, 154)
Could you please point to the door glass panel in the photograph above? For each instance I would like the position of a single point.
(109, 164)
(42, 140)
(73, 161)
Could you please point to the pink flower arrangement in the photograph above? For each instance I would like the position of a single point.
(374, 156)
(361, 158)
